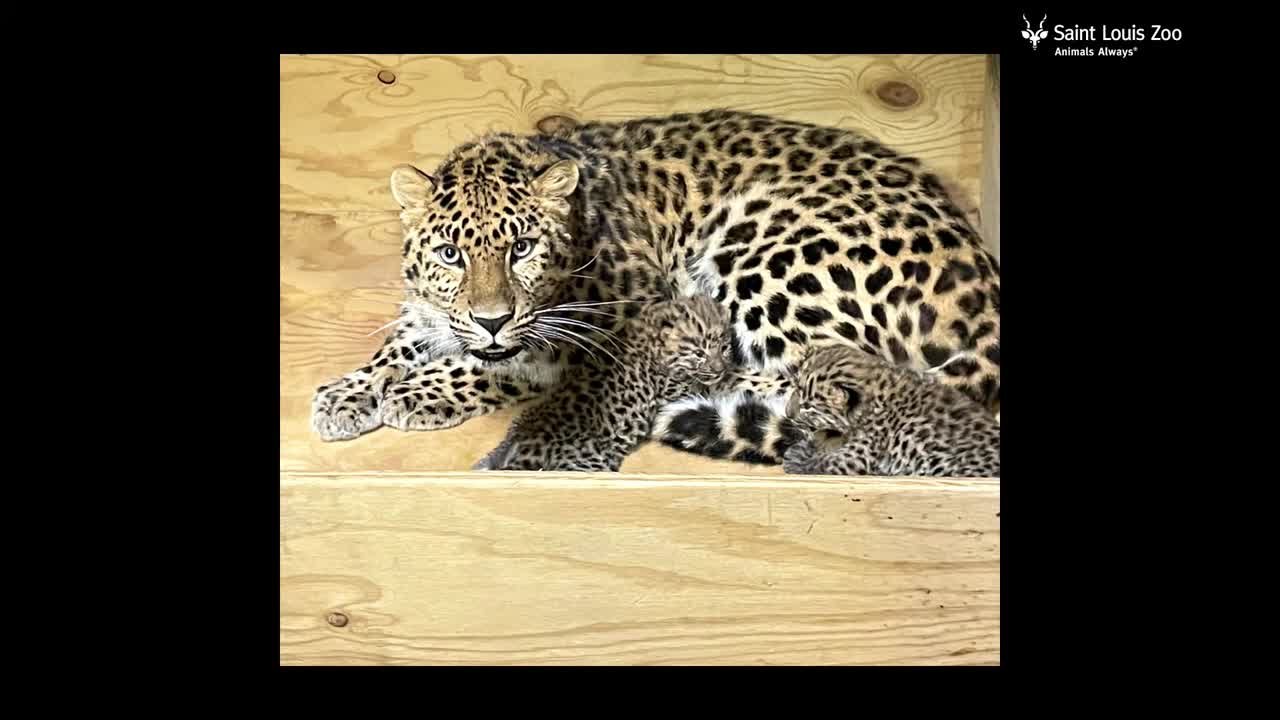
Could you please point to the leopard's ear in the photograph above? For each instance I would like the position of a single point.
(411, 187)
(557, 181)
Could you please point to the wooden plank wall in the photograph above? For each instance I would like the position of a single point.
(346, 120)
(539, 568)
(389, 557)
(990, 193)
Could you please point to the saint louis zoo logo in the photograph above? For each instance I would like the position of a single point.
(1076, 33)
(1035, 36)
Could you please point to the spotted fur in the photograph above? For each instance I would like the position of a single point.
(522, 254)
(599, 414)
(856, 414)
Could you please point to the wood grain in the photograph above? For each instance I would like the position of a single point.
(342, 129)
(990, 215)
(539, 568)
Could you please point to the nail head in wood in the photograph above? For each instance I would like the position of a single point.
(337, 619)
(387, 77)
(898, 94)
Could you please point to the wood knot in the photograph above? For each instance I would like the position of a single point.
(338, 619)
(898, 94)
(553, 124)
(386, 77)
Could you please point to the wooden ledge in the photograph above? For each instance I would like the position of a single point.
(554, 568)
(636, 481)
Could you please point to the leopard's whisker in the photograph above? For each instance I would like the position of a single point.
(572, 321)
(535, 335)
(588, 311)
(556, 334)
(561, 322)
(397, 321)
(579, 305)
(589, 340)
(593, 259)
(437, 338)
(575, 303)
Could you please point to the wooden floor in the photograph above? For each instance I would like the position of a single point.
(390, 555)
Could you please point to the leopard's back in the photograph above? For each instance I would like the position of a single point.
(809, 236)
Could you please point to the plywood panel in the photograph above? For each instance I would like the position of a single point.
(342, 129)
(539, 568)
(990, 217)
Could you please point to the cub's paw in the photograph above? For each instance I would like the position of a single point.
(344, 409)
(497, 458)
(416, 411)
(801, 457)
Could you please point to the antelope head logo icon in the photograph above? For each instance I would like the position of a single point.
(1035, 36)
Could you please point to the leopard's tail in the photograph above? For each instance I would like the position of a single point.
(743, 426)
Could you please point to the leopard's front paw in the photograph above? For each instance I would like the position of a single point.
(344, 409)
(799, 458)
(416, 411)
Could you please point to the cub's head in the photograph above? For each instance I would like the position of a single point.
(828, 388)
(688, 337)
(488, 241)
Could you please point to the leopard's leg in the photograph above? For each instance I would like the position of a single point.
(449, 391)
(351, 405)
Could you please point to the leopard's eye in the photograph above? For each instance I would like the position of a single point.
(523, 247)
(450, 254)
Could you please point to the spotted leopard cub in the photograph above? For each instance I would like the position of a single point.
(888, 420)
(671, 349)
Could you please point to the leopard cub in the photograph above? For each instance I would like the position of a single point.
(887, 420)
(598, 415)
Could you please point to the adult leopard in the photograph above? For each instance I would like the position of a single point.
(522, 254)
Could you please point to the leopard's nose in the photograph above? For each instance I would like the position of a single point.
(492, 324)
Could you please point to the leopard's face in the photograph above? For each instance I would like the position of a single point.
(486, 247)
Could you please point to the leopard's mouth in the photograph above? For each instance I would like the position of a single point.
(496, 355)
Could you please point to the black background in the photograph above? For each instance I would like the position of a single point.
(1106, 260)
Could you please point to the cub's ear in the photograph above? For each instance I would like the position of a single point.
(411, 187)
(557, 181)
(852, 398)
(712, 313)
